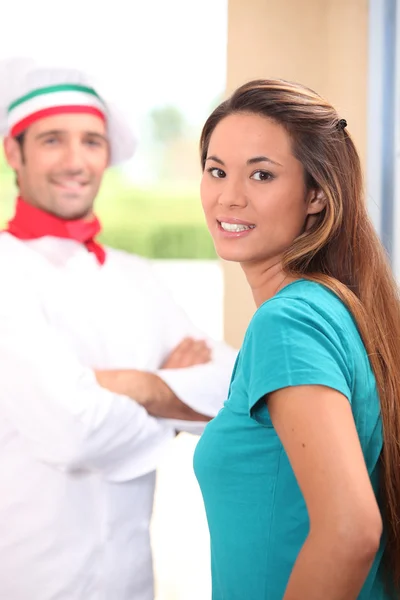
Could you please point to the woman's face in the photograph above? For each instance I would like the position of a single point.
(253, 190)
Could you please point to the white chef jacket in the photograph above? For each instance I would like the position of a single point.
(77, 462)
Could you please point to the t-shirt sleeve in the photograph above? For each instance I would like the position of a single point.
(290, 344)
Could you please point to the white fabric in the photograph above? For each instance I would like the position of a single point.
(77, 462)
(20, 76)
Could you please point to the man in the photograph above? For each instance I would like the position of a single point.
(98, 366)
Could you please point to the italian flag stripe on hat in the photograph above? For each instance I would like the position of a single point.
(30, 91)
(52, 100)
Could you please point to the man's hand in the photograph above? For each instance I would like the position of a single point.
(150, 391)
(188, 353)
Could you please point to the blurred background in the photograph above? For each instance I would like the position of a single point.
(168, 63)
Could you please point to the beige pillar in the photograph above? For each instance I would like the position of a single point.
(321, 43)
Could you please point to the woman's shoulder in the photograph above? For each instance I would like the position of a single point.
(304, 294)
(304, 303)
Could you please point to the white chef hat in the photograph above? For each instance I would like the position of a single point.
(29, 92)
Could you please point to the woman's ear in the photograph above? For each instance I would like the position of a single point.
(316, 201)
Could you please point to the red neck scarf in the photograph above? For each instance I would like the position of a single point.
(30, 223)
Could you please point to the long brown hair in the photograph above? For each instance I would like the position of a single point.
(341, 251)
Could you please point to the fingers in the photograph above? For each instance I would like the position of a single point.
(176, 358)
(192, 352)
(181, 355)
(201, 353)
(188, 353)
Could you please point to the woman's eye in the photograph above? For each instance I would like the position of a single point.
(262, 176)
(215, 172)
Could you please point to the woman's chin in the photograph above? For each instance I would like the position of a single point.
(231, 255)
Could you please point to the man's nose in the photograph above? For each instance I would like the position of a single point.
(73, 159)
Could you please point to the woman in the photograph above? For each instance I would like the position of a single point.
(304, 458)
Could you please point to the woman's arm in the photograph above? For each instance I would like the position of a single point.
(316, 427)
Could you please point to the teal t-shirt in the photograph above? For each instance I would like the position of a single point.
(256, 513)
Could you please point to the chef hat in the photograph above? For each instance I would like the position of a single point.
(29, 92)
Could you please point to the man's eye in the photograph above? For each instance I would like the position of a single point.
(262, 176)
(50, 141)
(217, 173)
(93, 143)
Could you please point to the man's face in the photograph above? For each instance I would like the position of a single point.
(61, 163)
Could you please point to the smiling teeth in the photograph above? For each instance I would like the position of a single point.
(235, 227)
(70, 184)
